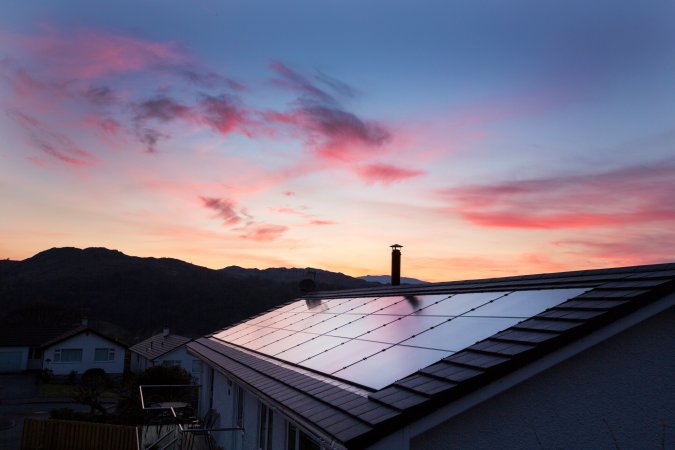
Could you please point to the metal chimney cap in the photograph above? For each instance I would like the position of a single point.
(396, 246)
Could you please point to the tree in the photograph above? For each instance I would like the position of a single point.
(92, 384)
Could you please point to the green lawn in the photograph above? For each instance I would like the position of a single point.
(64, 390)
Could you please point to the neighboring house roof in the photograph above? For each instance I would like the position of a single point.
(29, 336)
(158, 345)
(348, 406)
(78, 330)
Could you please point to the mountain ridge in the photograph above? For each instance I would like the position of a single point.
(141, 294)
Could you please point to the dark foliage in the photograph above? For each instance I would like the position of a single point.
(129, 405)
(93, 383)
(140, 295)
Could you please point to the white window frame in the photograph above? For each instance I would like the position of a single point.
(110, 353)
(58, 355)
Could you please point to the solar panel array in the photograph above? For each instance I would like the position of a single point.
(374, 341)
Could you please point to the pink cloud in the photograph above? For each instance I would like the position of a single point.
(332, 131)
(89, 54)
(225, 209)
(287, 210)
(222, 113)
(264, 232)
(387, 173)
(618, 197)
(161, 108)
(634, 247)
(322, 222)
(54, 144)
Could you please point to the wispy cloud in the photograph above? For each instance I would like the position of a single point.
(264, 232)
(54, 144)
(322, 222)
(225, 209)
(617, 197)
(330, 129)
(161, 108)
(222, 113)
(100, 95)
(386, 173)
(90, 53)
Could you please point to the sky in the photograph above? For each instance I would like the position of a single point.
(488, 138)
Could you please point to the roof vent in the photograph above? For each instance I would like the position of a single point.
(396, 264)
(165, 332)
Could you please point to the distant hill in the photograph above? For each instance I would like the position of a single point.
(283, 275)
(386, 279)
(140, 295)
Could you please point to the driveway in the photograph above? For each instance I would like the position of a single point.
(18, 400)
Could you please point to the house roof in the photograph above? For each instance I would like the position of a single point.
(158, 345)
(79, 330)
(355, 411)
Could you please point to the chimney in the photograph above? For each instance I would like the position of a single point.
(396, 264)
(85, 322)
(165, 332)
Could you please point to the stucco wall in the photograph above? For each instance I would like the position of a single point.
(224, 398)
(88, 342)
(618, 394)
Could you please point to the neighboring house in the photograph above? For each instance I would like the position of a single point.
(21, 347)
(566, 360)
(164, 349)
(83, 348)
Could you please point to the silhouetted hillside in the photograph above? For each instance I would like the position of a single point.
(61, 285)
(284, 275)
(386, 279)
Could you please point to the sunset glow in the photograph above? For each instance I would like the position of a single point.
(488, 138)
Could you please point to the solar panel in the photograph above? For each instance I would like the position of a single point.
(458, 333)
(373, 341)
(525, 303)
(458, 304)
(343, 355)
(382, 368)
(310, 348)
(411, 304)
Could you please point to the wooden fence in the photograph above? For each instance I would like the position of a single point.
(41, 434)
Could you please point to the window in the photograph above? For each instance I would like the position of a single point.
(171, 362)
(196, 366)
(299, 440)
(68, 355)
(265, 428)
(239, 405)
(104, 354)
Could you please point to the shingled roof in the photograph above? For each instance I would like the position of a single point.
(78, 330)
(356, 415)
(158, 345)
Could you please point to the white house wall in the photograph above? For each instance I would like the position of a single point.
(138, 363)
(618, 394)
(88, 342)
(224, 398)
